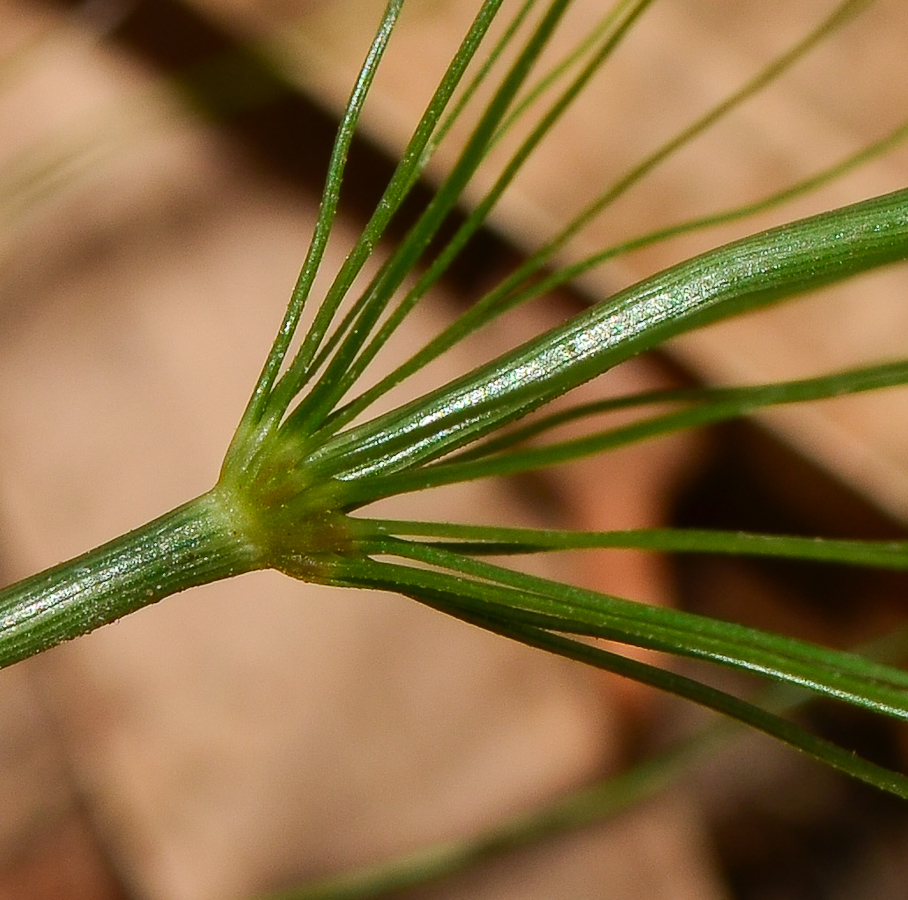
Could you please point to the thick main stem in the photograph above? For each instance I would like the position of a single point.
(199, 542)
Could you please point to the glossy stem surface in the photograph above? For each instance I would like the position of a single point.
(194, 544)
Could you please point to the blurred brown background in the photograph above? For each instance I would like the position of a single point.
(250, 735)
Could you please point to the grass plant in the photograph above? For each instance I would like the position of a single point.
(309, 456)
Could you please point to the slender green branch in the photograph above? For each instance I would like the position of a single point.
(702, 406)
(820, 749)
(707, 406)
(473, 540)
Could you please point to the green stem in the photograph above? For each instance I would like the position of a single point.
(199, 542)
(776, 264)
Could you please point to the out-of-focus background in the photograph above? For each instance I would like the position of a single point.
(160, 164)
